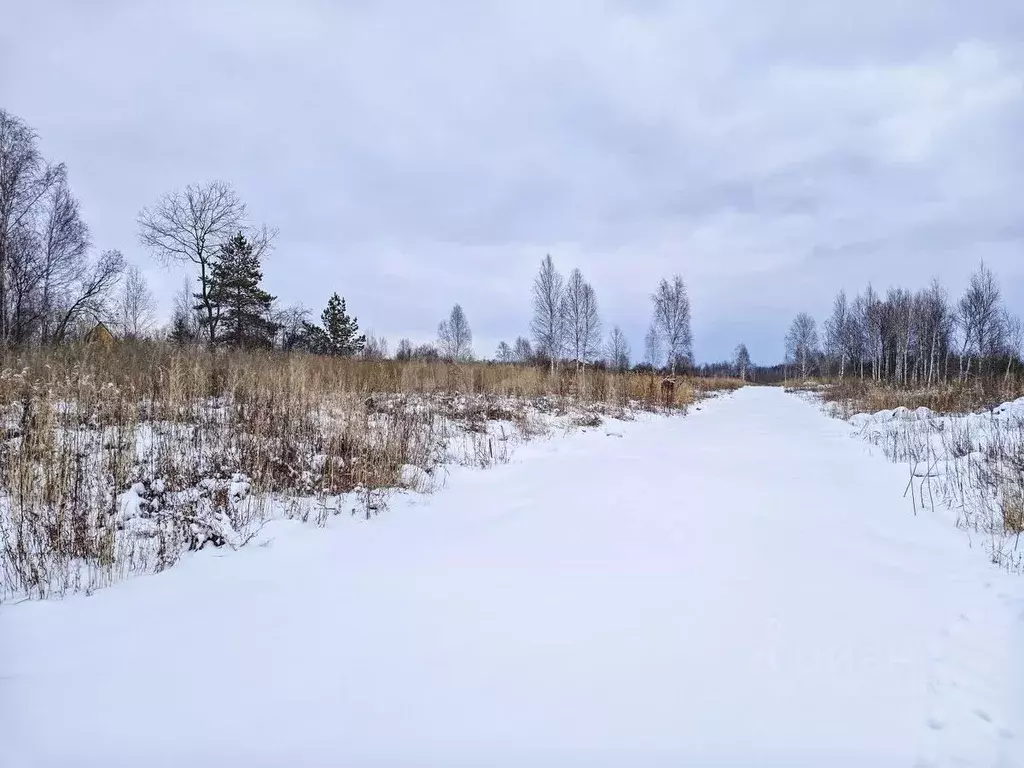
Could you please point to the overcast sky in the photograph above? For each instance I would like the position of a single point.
(416, 154)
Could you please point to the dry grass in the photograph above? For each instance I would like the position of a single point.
(118, 460)
(1012, 502)
(856, 396)
(968, 460)
(167, 374)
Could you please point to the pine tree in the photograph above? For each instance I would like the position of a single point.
(181, 333)
(243, 307)
(339, 334)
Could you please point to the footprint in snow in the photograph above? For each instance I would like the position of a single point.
(935, 724)
(982, 714)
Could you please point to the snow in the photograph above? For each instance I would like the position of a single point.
(1014, 409)
(743, 586)
(967, 466)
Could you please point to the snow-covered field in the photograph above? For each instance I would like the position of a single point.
(747, 585)
(93, 497)
(969, 467)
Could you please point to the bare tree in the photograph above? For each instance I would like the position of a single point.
(836, 329)
(980, 316)
(548, 325)
(1013, 340)
(874, 330)
(454, 336)
(404, 350)
(504, 353)
(580, 319)
(802, 342)
(191, 226)
(672, 320)
(742, 361)
(935, 332)
(522, 351)
(185, 318)
(855, 337)
(617, 350)
(654, 351)
(291, 324)
(92, 294)
(376, 347)
(426, 352)
(64, 241)
(25, 179)
(25, 313)
(136, 306)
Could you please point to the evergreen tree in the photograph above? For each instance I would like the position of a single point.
(339, 334)
(243, 307)
(181, 331)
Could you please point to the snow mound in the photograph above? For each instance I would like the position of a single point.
(415, 478)
(972, 463)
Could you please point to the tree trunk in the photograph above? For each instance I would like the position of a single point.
(3, 288)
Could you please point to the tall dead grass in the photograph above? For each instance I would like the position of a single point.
(859, 396)
(966, 454)
(118, 459)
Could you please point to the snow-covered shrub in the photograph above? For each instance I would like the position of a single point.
(971, 463)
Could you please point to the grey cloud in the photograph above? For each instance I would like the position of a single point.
(418, 154)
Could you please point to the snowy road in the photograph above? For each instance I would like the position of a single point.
(743, 586)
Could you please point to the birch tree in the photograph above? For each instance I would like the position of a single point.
(836, 331)
(522, 351)
(653, 349)
(671, 320)
(136, 307)
(63, 245)
(742, 358)
(504, 353)
(454, 336)
(547, 324)
(802, 343)
(617, 350)
(980, 316)
(1013, 340)
(25, 180)
(580, 319)
(934, 332)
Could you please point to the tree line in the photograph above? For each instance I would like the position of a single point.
(54, 287)
(912, 338)
(51, 281)
(566, 328)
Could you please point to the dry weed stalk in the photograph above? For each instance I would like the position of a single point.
(118, 460)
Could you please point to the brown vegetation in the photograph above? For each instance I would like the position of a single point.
(864, 396)
(118, 459)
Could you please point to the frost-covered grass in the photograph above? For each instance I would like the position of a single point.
(119, 462)
(971, 463)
